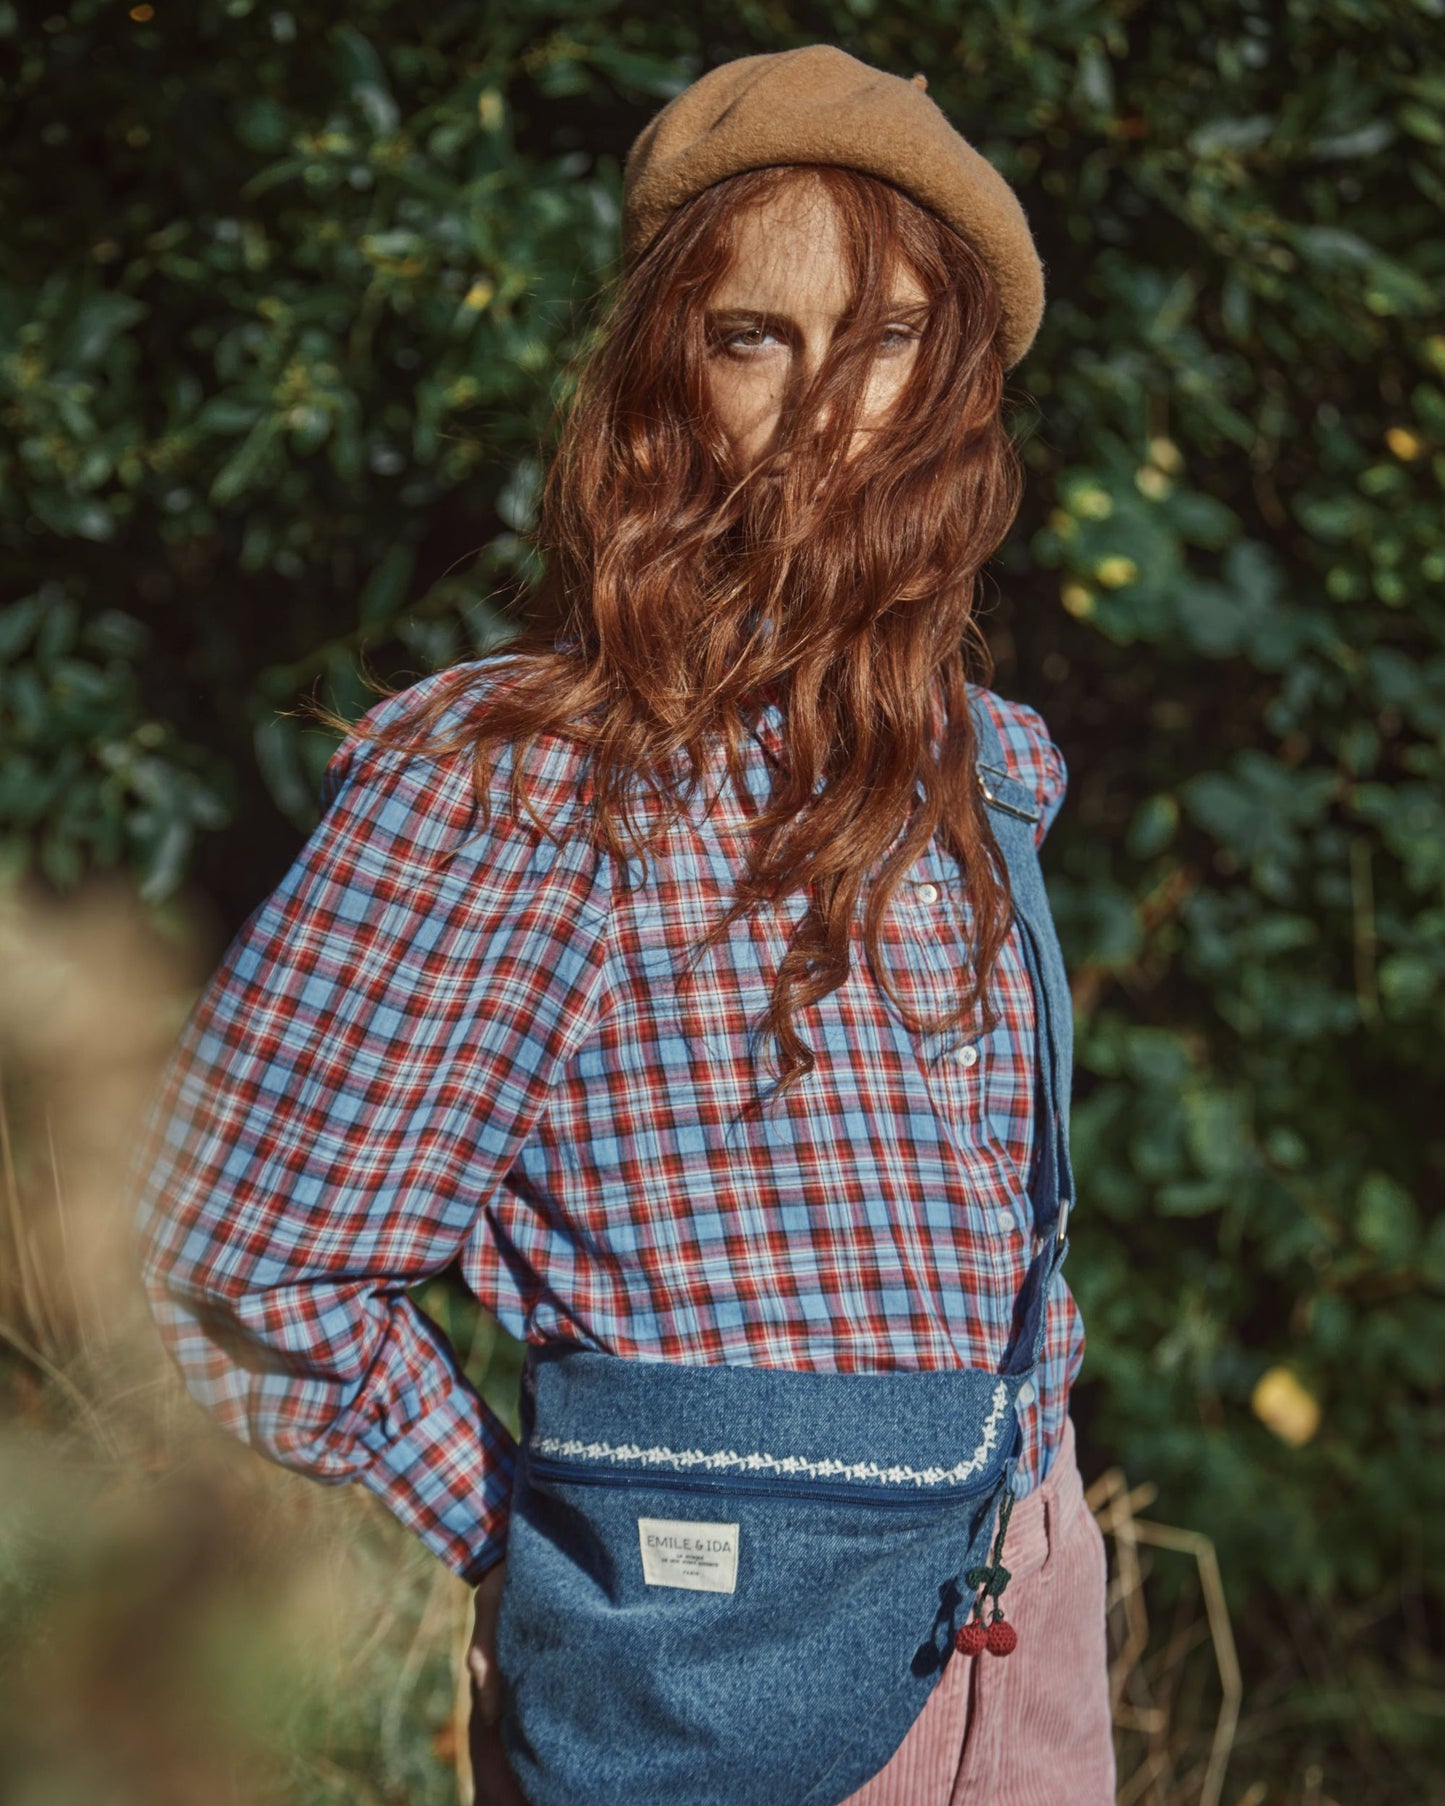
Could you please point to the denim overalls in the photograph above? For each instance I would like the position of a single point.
(737, 1586)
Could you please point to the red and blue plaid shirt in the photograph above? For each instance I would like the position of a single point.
(439, 1041)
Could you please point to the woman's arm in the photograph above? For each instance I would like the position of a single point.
(348, 1094)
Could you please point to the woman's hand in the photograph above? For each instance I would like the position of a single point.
(492, 1778)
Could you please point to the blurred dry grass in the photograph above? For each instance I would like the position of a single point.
(1156, 1741)
(181, 1621)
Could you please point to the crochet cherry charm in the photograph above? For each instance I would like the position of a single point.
(1001, 1638)
(972, 1639)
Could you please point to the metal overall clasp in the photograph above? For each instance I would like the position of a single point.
(988, 784)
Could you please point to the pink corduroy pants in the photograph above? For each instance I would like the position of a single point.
(1032, 1728)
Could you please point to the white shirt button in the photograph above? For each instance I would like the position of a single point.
(1027, 1395)
(966, 1056)
(927, 893)
(1005, 1220)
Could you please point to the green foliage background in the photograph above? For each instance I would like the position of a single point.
(287, 297)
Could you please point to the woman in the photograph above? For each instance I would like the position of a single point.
(795, 1408)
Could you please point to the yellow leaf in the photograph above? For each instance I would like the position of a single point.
(1166, 454)
(1283, 1405)
(1403, 442)
(1093, 503)
(1116, 571)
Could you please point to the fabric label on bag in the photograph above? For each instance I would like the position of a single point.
(701, 1557)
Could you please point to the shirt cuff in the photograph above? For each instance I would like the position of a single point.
(448, 1477)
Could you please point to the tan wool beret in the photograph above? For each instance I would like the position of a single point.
(818, 104)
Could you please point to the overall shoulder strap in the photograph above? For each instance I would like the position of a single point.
(990, 747)
(1013, 813)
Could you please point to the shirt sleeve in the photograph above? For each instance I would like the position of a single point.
(351, 1087)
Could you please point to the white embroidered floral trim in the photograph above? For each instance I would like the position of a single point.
(683, 1460)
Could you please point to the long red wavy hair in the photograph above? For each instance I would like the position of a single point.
(673, 598)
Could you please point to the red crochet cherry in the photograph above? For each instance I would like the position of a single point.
(1001, 1637)
(972, 1639)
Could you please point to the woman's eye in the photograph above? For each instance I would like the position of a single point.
(746, 338)
(752, 338)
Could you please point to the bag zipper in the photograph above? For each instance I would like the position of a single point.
(843, 1492)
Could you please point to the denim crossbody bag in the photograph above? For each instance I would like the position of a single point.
(737, 1586)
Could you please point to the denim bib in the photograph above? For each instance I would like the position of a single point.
(730, 1585)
